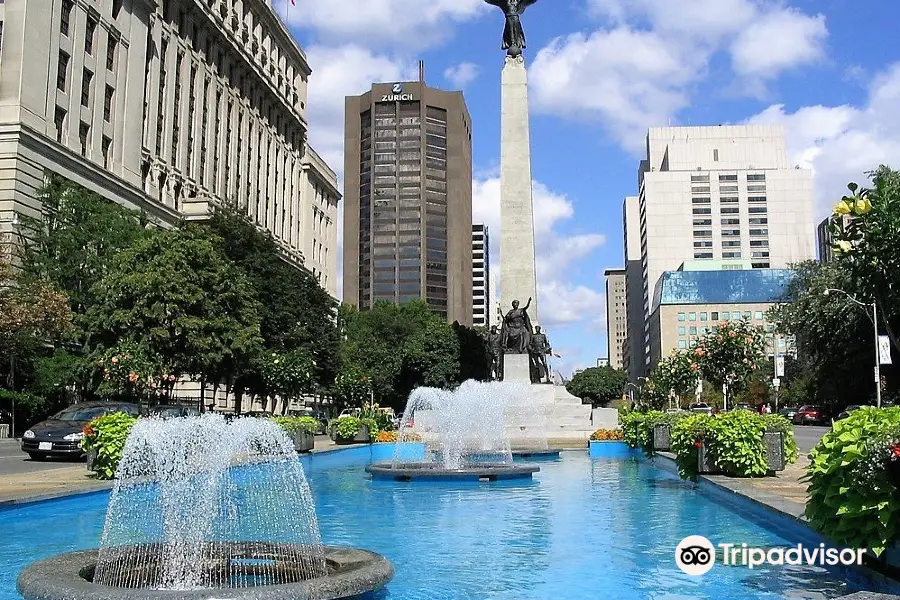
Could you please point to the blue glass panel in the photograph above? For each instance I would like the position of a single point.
(722, 287)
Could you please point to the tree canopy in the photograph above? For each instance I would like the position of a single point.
(598, 385)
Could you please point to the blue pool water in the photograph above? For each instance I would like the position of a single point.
(583, 529)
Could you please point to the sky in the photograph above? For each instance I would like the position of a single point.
(601, 72)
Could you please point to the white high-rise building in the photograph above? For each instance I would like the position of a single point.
(481, 275)
(165, 106)
(720, 193)
(616, 318)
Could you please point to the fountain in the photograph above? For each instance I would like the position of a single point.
(461, 434)
(208, 509)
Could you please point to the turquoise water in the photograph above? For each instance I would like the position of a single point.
(583, 529)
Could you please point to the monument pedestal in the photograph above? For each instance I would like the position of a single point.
(557, 417)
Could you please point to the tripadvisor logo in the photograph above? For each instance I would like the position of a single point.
(696, 555)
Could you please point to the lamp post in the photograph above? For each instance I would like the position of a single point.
(874, 307)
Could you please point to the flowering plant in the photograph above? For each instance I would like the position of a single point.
(288, 374)
(731, 354)
(352, 387)
(676, 374)
(607, 435)
(131, 369)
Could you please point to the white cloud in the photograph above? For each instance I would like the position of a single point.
(642, 67)
(410, 24)
(338, 72)
(562, 302)
(841, 143)
(777, 41)
(462, 74)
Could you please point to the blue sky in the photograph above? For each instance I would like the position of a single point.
(600, 73)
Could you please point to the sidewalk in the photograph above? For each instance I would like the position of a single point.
(40, 485)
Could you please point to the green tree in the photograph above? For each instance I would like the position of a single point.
(833, 335)
(599, 385)
(730, 355)
(431, 357)
(75, 239)
(176, 295)
(474, 360)
(296, 314)
(674, 376)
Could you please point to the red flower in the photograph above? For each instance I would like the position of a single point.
(698, 444)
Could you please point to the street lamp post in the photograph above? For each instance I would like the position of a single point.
(874, 307)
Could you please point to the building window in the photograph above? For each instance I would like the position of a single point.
(89, 32)
(65, 17)
(716, 155)
(61, 71)
(682, 345)
(757, 210)
(693, 330)
(758, 315)
(116, 7)
(735, 316)
(59, 120)
(681, 316)
(756, 199)
(714, 316)
(86, 78)
(699, 178)
(83, 133)
(108, 104)
(703, 316)
(111, 45)
(107, 158)
(692, 317)
(756, 177)
(727, 177)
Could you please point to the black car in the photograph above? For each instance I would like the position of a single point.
(61, 434)
(168, 411)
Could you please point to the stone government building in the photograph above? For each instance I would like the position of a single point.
(165, 106)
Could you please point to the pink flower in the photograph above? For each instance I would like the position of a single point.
(695, 367)
(171, 378)
(114, 359)
(731, 334)
(133, 377)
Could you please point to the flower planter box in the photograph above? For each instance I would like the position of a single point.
(90, 459)
(662, 438)
(408, 451)
(705, 463)
(609, 449)
(304, 441)
(362, 437)
(774, 443)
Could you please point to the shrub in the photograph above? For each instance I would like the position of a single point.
(384, 437)
(734, 441)
(292, 425)
(106, 435)
(688, 434)
(348, 427)
(852, 498)
(607, 435)
(638, 427)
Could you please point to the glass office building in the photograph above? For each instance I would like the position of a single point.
(408, 199)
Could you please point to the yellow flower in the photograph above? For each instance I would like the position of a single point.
(863, 206)
(842, 208)
(843, 246)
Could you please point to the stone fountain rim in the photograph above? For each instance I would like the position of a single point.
(59, 577)
(425, 470)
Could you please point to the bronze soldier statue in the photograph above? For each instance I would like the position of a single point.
(540, 348)
(495, 347)
(513, 34)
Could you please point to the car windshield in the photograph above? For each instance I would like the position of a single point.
(81, 414)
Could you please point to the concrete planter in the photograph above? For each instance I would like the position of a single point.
(774, 443)
(662, 438)
(609, 449)
(362, 437)
(304, 441)
(91, 459)
(705, 463)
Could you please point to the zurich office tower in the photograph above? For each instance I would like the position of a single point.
(408, 199)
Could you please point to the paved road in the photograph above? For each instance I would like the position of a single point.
(14, 461)
(808, 436)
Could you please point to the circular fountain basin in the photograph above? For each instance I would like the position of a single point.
(543, 454)
(485, 471)
(69, 576)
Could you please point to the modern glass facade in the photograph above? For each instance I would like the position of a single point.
(722, 287)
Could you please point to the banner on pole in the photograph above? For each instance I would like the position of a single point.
(884, 350)
(779, 366)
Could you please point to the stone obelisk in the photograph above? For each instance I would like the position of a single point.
(517, 268)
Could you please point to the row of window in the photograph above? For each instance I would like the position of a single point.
(728, 177)
(722, 316)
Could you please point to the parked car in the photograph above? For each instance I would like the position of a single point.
(61, 434)
(846, 412)
(788, 412)
(701, 407)
(809, 415)
(745, 407)
(170, 411)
